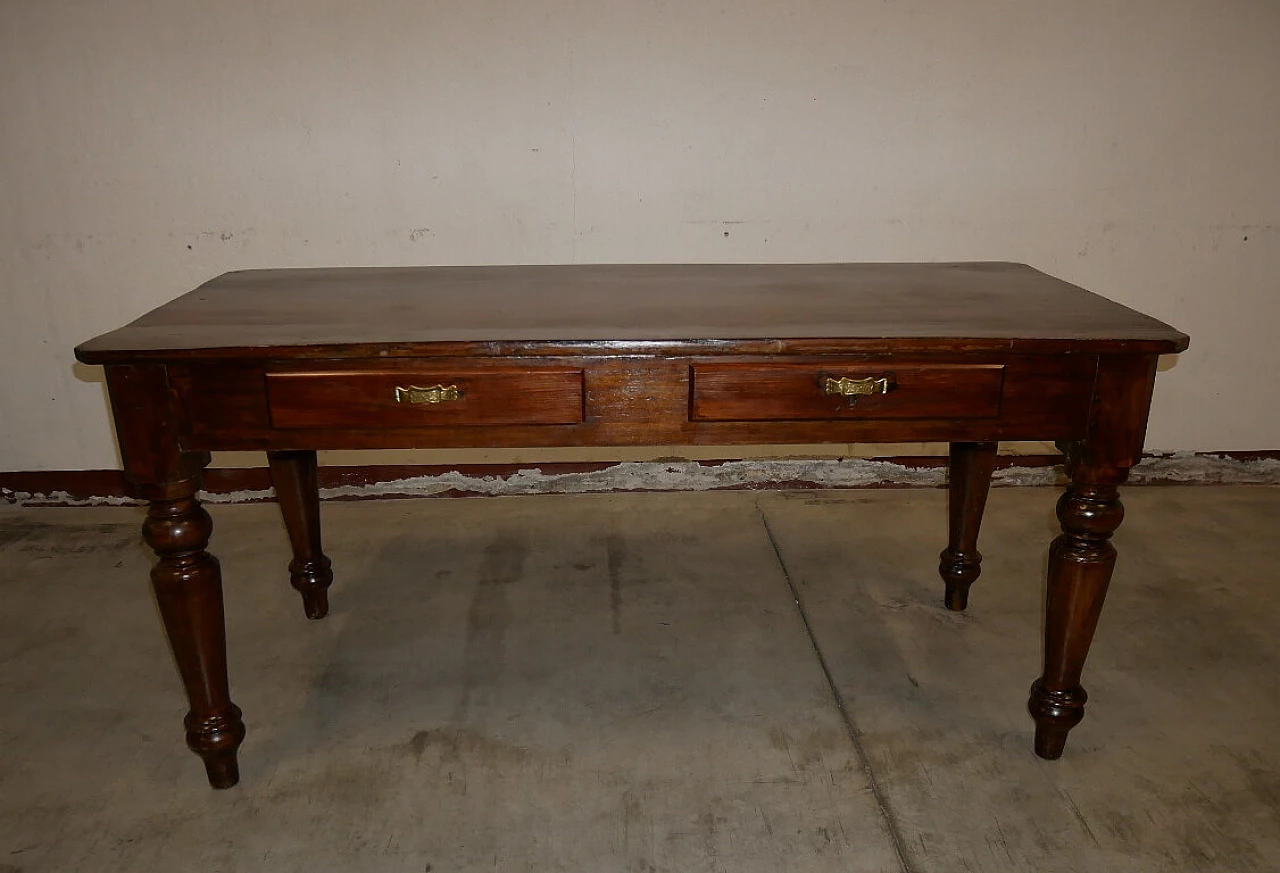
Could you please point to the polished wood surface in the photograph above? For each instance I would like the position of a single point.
(969, 479)
(416, 311)
(781, 392)
(296, 481)
(1082, 559)
(292, 361)
(381, 398)
(630, 400)
(187, 580)
(188, 586)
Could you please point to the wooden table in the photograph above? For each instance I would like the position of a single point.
(291, 361)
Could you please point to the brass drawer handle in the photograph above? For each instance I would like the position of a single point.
(434, 394)
(852, 387)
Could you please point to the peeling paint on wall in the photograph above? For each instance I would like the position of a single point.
(60, 498)
(1206, 469)
(824, 473)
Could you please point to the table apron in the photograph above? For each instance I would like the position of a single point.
(626, 401)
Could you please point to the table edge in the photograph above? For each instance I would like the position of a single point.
(87, 354)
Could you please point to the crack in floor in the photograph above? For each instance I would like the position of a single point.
(855, 736)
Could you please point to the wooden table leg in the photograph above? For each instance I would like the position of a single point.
(187, 580)
(1080, 564)
(969, 480)
(188, 586)
(1082, 557)
(297, 485)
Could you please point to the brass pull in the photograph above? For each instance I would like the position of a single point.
(434, 394)
(852, 387)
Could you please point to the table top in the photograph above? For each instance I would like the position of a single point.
(360, 311)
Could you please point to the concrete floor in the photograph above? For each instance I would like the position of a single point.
(625, 683)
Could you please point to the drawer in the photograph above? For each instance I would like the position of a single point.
(781, 392)
(426, 397)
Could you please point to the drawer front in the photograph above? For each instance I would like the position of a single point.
(371, 399)
(782, 392)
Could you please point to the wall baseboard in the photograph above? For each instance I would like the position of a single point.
(251, 484)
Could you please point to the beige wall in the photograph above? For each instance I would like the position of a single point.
(148, 145)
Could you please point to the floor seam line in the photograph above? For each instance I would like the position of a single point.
(855, 736)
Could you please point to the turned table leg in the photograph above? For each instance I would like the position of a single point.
(969, 480)
(297, 487)
(1082, 557)
(188, 586)
(1080, 565)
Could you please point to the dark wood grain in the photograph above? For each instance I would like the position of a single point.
(641, 400)
(420, 311)
(969, 480)
(187, 580)
(1082, 559)
(296, 480)
(782, 392)
(188, 586)
(486, 396)
(292, 361)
